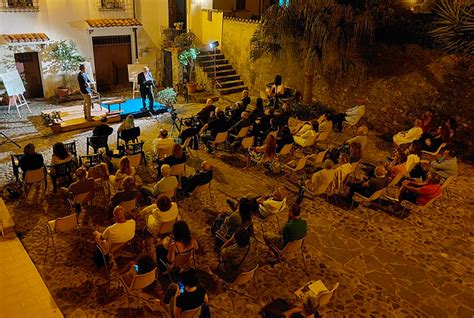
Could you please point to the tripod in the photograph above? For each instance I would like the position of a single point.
(7, 139)
(177, 122)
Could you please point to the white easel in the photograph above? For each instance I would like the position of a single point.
(15, 89)
(135, 90)
(133, 71)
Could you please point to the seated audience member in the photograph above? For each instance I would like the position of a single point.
(127, 194)
(397, 165)
(427, 121)
(177, 157)
(128, 123)
(60, 156)
(263, 154)
(355, 152)
(160, 212)
(284, 137)
(242, 123)
(409, 136)
(351, 116)
(283, 116)
(371, 185)
(239, 254)
(181, 242)
(166, 185)
(451, 126)
(294, 229)
(143, 264)
(190, 131)
(205, 113)
(413, 161)
(103, 129)
(446, 165)
(82, 185)
(201, 177)
(342, 171)
(325, 123)
(234, 112)
(360, 138)
(258, 111)
(124, 170)
(261, 127)
(121, 231)
(320, 180)
(271, 204)
(193, 296)
(163, 144)
(31, 160)
(307, 134)
(216, 125)
(245, 98)
(420, 193)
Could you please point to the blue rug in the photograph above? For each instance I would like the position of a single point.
(134, 107)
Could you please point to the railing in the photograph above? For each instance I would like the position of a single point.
(169, 35)
(111, 5)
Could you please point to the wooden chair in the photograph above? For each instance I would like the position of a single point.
(65, 224)
(221, 138)
(38, 177)
(90, 160)
(128, 135)
(71, 149)
(138, 282)
(364, 201)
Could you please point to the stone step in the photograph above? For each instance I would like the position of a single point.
(231, 90)
(207, 51)
(227, 78)
(207, 57)
(211, 62)
(221, 73)
(229, 84)
(210, 69)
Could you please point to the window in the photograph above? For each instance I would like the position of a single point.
(111, 5)
(19, 5)
(240, 5)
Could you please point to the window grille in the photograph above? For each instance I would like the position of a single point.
(111, 40)
(19, 5)
(111, 4)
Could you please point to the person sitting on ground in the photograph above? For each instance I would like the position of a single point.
(181, 242)
(166, 185)
(163, 144)
(81, 186)
(320, 180)
(216, 125)
(239, 254)
(31, 160)
(369, 186)
(103, 129)
(307, 134)
(272, 203)
(445, 165)
(420, 193)
(124, 170)
(263, 154)
(60, 156)
(258, 111)
(121, 231)
(193, 296)
(409, 136)
(351, 116)
(294, 229)
(127, 194)
(128, 123)
(201, 177)
(158, 213)
(205, 113)
(284, 137)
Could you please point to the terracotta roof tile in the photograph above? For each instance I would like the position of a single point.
(25, 37)
(107, 23)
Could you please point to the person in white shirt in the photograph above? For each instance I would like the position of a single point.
(351, 115)
(307, 134)
(166, 185)
(121, 231)
(163, 145)
(409, 136)
(160, 212)
(321, 179)
(272, 203)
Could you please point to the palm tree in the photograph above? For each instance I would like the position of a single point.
(325, 35)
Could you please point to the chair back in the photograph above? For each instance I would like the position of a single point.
(167, 227)
(97, 141)
(247, 142)
(71, 148)
(115, 247)
(144, 280)
(273, 133)
(325, 297)
(135, 148)
(396, 180)
(286, 150)
(178, 170)
(201, 188)
(319, 158)
(183, 259)
(187, 142)
(244, 277)
(64, 169)
(66, 223)
(293, 247)
(169, 194)
(447, 182)
(301, 163)
(242, 133)
(162, 153)
(34, 176)
(135, 160)
(323, 136)
(90, 160)
(129, 206)
(82, 197)
(192, 313)
(129, 134)
(377, 194)
(310, 141)
(430, 202)
(221, 138)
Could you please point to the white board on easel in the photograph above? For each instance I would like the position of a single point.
(133, 71)
(15, 89)
(89, 72)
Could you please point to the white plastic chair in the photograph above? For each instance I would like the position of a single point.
(35, 177)
(138, 282)
(192, 313)
(66, 224)
(364, 201)
(178, 170)
(221, 138)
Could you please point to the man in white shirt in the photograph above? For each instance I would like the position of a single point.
(166, 185)
(121, 231)
(163, 145)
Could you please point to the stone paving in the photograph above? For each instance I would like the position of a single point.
(386, 267)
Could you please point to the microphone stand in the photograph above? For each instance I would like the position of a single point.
(7, 139)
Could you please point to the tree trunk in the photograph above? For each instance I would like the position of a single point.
(308, 80)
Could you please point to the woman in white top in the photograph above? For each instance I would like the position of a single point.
(406, 137)
(307, 134)
(124, 170)
(271, 204)
(161, 212)
(321, 180)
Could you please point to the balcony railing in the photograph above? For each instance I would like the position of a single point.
(172, 37)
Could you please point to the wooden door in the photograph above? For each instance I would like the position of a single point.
(27, 65)
(167, 69)
(112, 54)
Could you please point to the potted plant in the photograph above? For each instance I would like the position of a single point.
(167, 97)
(178, 25)
(65, 59)
(187, 58)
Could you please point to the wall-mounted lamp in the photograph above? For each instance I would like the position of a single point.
(214, 44)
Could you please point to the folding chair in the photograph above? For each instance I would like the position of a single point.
(324, 295)
(62, 171)
(418, 209)
(364, 201)
(241, 134)
(221, 138)
(81, 199)
(136, 148)
(187, 147)
(181, 260)
(138, 282)
(65, 224)
(286, 150)
(129, 206)
(192, 313)
(37, 176)
(317, 159)
(162, 153)
(297, 164)
(201, 189)
(178, 170)
(247, 142)
(114, 248)
(135, 160)
(240, 280)
(289, 251)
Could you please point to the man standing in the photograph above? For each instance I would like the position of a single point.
(146, 82)
(86, 91)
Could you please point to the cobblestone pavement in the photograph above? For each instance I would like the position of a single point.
(386, 267)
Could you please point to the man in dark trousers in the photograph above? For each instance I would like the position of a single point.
(146, 82)
(86, 91)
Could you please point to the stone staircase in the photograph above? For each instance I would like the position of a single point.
(228, 80)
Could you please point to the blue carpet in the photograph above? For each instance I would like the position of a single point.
(134, 107)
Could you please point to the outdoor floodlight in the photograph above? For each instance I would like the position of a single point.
(214, 44)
